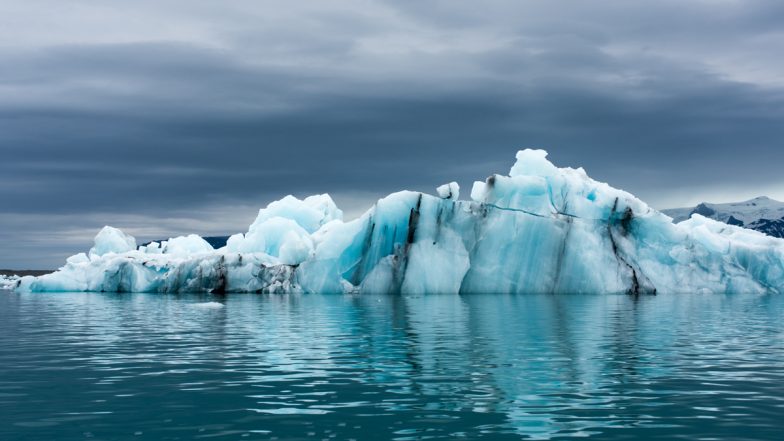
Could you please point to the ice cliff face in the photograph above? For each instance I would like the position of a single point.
(540, 229)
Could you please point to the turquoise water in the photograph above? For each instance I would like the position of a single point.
(157, 367)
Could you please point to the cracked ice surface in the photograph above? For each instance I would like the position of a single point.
(538, 229)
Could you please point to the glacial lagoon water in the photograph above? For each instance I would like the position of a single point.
(166, 367)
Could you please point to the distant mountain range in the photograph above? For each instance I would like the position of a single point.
(762, 214)
(216, 241)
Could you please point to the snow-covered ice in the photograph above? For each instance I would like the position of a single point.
(539, 229)
(8, 282)
(112, 240)
(449, 191)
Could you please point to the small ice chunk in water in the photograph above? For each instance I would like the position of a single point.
(209, 305)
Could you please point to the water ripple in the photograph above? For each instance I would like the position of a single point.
(138, 366)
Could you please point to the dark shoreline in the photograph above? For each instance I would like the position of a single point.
(8, 272)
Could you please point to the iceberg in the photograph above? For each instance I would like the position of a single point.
(538, 229)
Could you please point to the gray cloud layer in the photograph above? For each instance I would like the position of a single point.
(171, 117)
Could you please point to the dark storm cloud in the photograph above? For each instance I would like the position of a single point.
(187, 127)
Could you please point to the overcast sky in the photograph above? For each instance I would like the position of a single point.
(171, 117)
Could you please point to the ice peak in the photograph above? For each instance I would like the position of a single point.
(449, 191)
(533, 162)
(764, 200)
(310, 213)
(112, 240)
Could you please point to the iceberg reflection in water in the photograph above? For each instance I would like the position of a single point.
(152, 366)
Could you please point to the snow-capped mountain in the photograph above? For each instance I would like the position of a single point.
(762, 214)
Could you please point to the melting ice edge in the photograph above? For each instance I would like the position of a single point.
(539, 229)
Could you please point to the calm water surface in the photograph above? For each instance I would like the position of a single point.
(159, 367)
